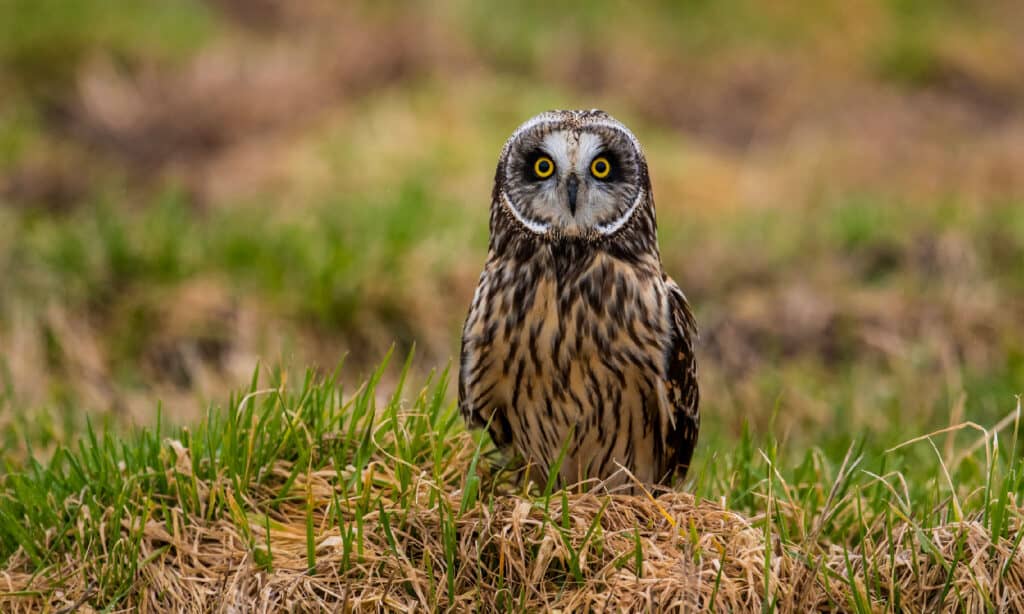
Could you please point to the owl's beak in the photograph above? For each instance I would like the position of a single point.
(572, 184)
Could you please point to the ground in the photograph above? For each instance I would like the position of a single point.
(201, 199)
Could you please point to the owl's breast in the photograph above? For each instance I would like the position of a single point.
(575, 358)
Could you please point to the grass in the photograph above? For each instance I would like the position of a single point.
(324, 498)
(319, 272)
(321, 263)
(188, 191)
(41, 44)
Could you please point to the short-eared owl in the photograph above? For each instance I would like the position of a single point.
(577, 343)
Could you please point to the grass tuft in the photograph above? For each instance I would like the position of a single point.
(294, 493)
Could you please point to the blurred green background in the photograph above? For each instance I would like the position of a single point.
(188, 189)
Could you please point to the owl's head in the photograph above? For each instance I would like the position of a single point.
(571, 175)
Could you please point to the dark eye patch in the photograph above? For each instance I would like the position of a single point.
(529, 165)
(615, 174)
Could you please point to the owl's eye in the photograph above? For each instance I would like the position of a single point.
(543, 167)
(600, 167)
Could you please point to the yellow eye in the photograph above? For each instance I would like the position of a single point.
(543, 167)
(600, 167)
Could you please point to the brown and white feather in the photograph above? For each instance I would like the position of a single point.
(576, 339)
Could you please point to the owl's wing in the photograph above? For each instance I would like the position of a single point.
(681, 385)
(469, 361)
(476, 373)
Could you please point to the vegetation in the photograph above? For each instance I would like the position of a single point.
(191, 191)
(303, 497)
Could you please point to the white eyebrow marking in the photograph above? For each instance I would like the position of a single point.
(590, 145)
(557, 145)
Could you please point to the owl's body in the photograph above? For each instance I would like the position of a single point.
(577, 344)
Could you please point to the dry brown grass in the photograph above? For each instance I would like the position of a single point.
(633, 553)
(510, 555)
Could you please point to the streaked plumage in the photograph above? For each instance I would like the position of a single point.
(576, 337)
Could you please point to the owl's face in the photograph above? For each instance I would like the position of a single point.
(572, 174)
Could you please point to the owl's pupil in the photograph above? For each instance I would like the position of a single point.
(543, 166)
(601, 167)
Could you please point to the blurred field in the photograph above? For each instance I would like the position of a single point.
(189, 190)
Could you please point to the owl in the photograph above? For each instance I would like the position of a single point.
(577, 352)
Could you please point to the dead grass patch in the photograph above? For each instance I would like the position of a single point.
(298, 501)
(616, 553)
